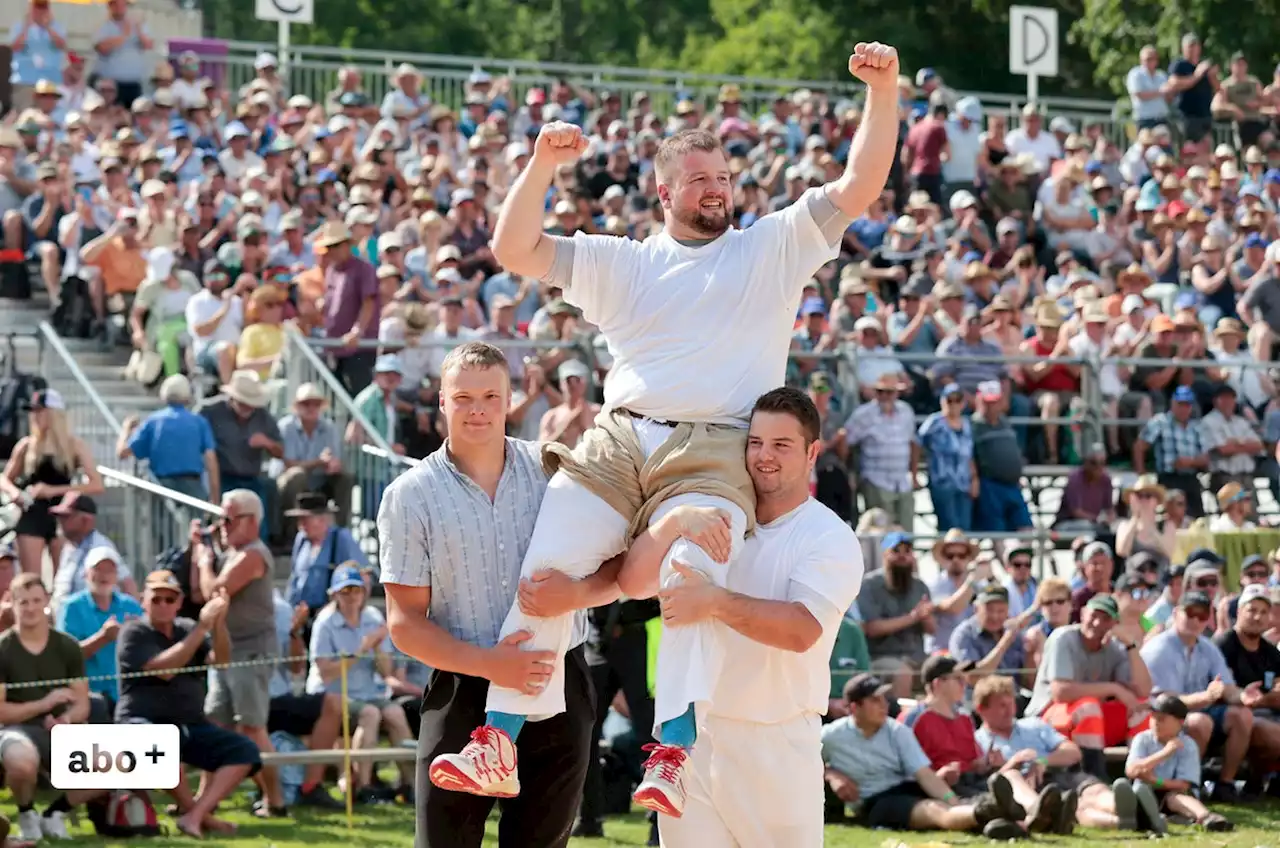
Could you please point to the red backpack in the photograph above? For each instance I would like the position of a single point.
(124, 813)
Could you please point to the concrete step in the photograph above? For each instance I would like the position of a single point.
(96, 373)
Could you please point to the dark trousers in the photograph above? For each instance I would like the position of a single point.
(355, 371)
(553, 765)
(835, 493)
(1189, 483)
(627, 669)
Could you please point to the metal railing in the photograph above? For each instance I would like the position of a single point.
(141, 516)
(312, 70)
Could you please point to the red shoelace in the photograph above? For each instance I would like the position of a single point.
(667, 759)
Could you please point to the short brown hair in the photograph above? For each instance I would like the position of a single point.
(474, 355)
(795, 403)
(991, 686)
(680, 144)
(26, 580)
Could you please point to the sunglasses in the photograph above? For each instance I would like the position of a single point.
(1022, 563)
(1145, 495)
(956, 399)
(166, 598)
(1139, 594)
(1206, 584)
(1197, 614)
(1056, 602)
(1255, 574)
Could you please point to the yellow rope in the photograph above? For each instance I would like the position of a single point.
(346, 745)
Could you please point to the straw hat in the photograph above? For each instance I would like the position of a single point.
(246, 387)
(1148, 483)
(1230, 494)
(333, 233)
(955, 536)
(1048, 315)
(309, 392)
(1229, 327)
(1134, 273)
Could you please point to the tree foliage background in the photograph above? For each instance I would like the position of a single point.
(965, 40)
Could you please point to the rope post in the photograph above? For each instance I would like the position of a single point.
(346, 742)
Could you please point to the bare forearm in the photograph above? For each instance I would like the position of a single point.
(427, 642)
(1198, 700)
(519, 231)
(638, 577)
(932, 784)
(787, 625)
(78, 711)
(12, 713)
(94, 643)
(222, 643)
(176, 656)
(601, 588)
(870, 157)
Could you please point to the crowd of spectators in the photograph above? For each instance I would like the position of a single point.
(199, 225)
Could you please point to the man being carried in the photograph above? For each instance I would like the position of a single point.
(778, 617)
(699, 322)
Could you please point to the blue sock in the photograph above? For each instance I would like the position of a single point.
(506, 721)
(682, 730)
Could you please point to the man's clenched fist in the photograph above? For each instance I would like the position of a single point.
(560, 143)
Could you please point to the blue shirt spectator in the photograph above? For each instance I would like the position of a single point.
(281, 680)
(1180, 670)
(971, 644)
(950, 452)
(1184, 765)
(82, 616)
(39, 48)
(1032, 733)
(333, 634)
(127, 62)
(176, 443)
(314, 562)
(878, 762)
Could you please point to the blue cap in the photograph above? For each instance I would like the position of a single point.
(1249, 190)
(951, 389)
(388, 363)
(971, 256)
(327, 175)
(918, 112)
(1271, 176)
(344, 576)
(1185, 300)
(813, 306)
(178, 129)
(892, 540)
(1093, 166)
(1255, 240)
(1183, 394)
(321, 133)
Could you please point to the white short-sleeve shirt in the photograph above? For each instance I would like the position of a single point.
(699, 332)
(809, 556)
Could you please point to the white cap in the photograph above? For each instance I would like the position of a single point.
(389, 241)
(152, 188)
(1132, 303)
(252, 198)
(614, 191)
(160, 262)
(866, 323)
(265, 60)
(564, 207)
(102, 553)
(963, 199)
(572, 368)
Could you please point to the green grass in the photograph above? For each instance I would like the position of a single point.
(391, 826)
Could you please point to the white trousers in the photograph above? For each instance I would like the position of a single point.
(751, 786)
(575, 533)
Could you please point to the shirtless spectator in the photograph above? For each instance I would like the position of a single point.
(1092, 684)
(162, 642)
(567, 422)
(896, 614)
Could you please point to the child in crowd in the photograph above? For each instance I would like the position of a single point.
(1167, 760)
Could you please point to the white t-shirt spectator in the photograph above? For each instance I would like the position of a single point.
(962, 167)
(1044, 147)
(875, 363)
(1139, 79)
(185, 94)
(203, 306)
(1108, 378)
(235, 168)
(1242, 377)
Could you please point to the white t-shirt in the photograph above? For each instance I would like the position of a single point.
(1044, 146)
(810, 556)
(204, 305)
(235, 168)
(415, 358)
(698, 333)
(440, 343)
(1109, 377)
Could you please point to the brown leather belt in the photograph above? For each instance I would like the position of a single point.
(640, 417)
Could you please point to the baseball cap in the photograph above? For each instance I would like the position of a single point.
(863, 686)
(813, 306)
(388, 363)
(1106, 604)
(75, 502)
(345, 576)
(1252, 560)
(951, 389)
(1096, 547)
(992, 592)
(163, 579)
(1256, 592)
(1183, 394)
(990, 391)
(1167, 703)
(1132, 303)
(45, 399)
(1142, 561)
(1130, 580)
(1205, 554)
(1255, 240)
(938, 665)
(892, 540)
(1194, 599)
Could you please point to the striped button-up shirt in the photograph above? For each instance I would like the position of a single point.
(1216, 430)
(956, 359)
(1172, 441)
(437, 528)
(886, 439)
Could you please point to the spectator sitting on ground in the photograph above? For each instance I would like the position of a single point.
(897, 613)
(1167, 760)
(94, 617)
(86, 545)
(952, 591)
(895, 787)
(240, 696)
(1092, 684)
(347, 625)
(176, 444)
(244, 433)
(161, 642)
(1184, 662)
(319, 548)
(312, 456)
(316, 718)
(30, 653)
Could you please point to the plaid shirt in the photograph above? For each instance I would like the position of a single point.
(1216, 430)
(1172, 441)
(885, 459)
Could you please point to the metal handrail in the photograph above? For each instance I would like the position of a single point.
(390, 456)
(157, 489)
(300, 344)
(69, 362)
